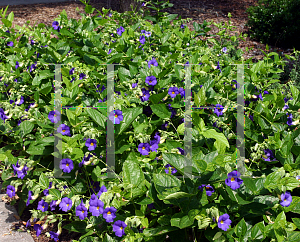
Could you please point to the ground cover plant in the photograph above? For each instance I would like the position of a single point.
(147, 201)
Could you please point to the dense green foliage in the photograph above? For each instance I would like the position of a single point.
(152, 202)
(276, 22)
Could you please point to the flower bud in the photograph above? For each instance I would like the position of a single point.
(295, 122)
(80, 85)
(44, 226)
(34, 106)
(58, 202)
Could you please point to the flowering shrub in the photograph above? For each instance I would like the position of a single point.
(147, 200)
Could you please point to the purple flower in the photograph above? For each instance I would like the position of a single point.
(218, 110)
(53, 205)
(235, 85)
(215, 125)
(182, 92)
(97, 207)
(81, 211)
(286, 199)
(151, 80)
(173, 91)
(145, 96)
(268, 156)
(152, 62)
(144, 148)
(95, 187)
(29, 198)
(21, 101)
(64, 130)
(54, 235)
(109, 51)
(118, 228)
(71, 72)
(181, 150)
(134, 85)
(251, 117)
(110, 14)
(32, 42)
(209, 189)
(182, 26)
(218, 66)
(10, 44)
(81, 76)
(165, 125)
(54, 116)
(233, 180)
(28, 224)
(142, 39)
(120, 30)
(285, 107)
(17, 65)
(66, 165)
(109, 214)
(224, 50)
(116, 116)
(43, 206)
(153, 145)
(38, 228)
(224, 222)
(173, 170)
(56, 26)
(65, 204)
(11, 191)
(157, 137)
(148, 34)
(290, 119)
(102, 189)
(91, 144)
(151, 206)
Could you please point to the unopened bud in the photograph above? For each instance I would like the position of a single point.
(58, 202)
(45, 226)
(295, 122)
(34, 106)
(246, 160)
(254, 96)
(77, 98)
(80, 85)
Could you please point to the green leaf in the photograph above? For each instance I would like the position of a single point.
(161, 110)
(295, 92)
(44, 181)
(156, 98)
(158, 231)
(174, 160)
(66, 32)
(178, 195)
(272, 180)
(296, 222)
(98, 117)
(200, 164)
(78, 226)
(254, 184)
(203, 199)
(129, 115)
(79, 187)
(26, 127)
(200, 98)
(257, 232)
(107, 238)
(181, 220)
(180, 129)
(6, 22)
(280, 221)
(220, 137)
(55, 193)
(10, 17)
(289, 182)
(293, 236)
(241, 228)
(132, 172)
(164, 182)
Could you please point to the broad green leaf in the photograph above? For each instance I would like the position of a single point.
(96, 116)
(272, 180)
(10, 17)
(26, 127)
(156, 98)
(280, 221)
(181, 220)
(257, 232)
(66, 32)
(220, 137)
(241, 228)
(296, 222)
(55, 193)
(129, 115)
(132, 172)
(180, 129)
(164, 182)
(203, 199)
(200, 98)
(295, 92)
(161, 110)
(178, 195)
(44, 181)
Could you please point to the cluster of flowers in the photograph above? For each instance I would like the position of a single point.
(234, 182)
